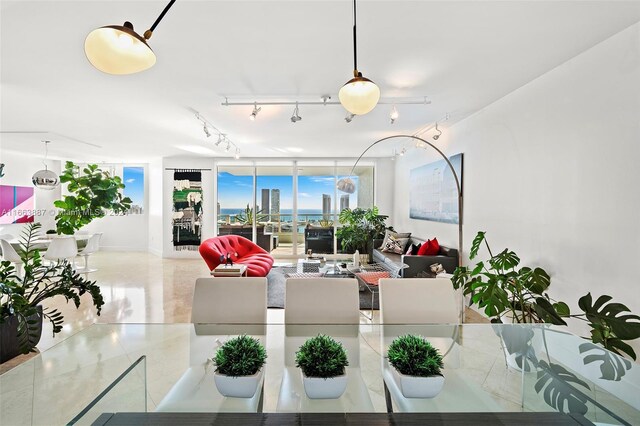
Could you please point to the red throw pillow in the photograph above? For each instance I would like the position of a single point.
(430, 248)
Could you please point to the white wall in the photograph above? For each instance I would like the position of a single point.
(18, 170)
(385, 186)
(155, 197)
(551, 172)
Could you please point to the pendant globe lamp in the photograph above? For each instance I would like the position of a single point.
(45, 179)
(359, 95)
(119, 50)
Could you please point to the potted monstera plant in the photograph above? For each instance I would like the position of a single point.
(322, 362)
(22, 296)
(509, 292)
(416, 366)
(239, 364)
(359, 227)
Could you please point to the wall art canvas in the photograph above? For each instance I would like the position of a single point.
(17, 204)
(432, 191)
(187, 209)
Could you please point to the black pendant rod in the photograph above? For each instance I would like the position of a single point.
(149, 32)
(355, 45)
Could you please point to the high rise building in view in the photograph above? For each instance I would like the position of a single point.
(265, 201)
(326, 206)
(344, 202)
(275, 203)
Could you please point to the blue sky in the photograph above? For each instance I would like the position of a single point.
(237, 191)
(133, 178)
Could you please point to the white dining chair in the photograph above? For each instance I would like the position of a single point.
(11, 255)
(62, 247)
(222, 308)
(93, 245)
(428, 307)
(329, 306)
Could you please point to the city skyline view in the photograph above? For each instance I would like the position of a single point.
(235, 192)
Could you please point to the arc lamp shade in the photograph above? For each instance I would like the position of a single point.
(116, 49)
(359, 95)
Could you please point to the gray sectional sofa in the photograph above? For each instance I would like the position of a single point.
(448, 258)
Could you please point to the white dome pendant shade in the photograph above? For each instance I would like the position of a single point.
(359, 95)
(118, 50)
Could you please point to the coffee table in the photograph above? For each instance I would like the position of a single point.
(237, 270)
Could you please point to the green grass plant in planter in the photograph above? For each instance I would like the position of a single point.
(239, 365)
(416, 366)
(322, 361)
(23, 297)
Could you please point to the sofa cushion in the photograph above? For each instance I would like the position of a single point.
(395, 245)
(389, 232)
(430, 248)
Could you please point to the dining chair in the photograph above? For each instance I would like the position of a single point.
(428, 307)
(223, 307)
(93, 245)
(62, 247)
(11, 255)
(322, 306)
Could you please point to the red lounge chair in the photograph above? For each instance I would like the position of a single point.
(242, 250)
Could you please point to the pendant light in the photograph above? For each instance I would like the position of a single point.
(45, 179)
(118, 49)
(359, 95)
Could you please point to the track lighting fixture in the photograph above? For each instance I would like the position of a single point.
(359, 95)
(437, 136)
(255, 112)
(118, 49)
(349, 117)
(210, 129)
(296, 115)
(393, 116)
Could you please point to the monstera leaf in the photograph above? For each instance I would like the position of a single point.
(548, 312)
(489, 295)
(609, 326)
(506, 259)
(535, 280)
(559, 392)
(517, 341)
(612, 367)
(475, 246)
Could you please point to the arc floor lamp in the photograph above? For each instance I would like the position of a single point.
(347, 185)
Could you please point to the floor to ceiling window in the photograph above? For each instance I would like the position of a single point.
(289, 208)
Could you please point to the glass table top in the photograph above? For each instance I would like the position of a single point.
(487, 368)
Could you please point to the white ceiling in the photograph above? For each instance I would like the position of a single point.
(463, 55)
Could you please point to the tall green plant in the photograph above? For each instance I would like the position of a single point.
(20, 295)
(359, 228)
(500, 286)
(92, 193)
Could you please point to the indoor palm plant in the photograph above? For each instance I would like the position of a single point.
(416, 366)
(507, 291)
(239, 366)
(359, 227)
(22, 296)
(322, 362)
(92, 193)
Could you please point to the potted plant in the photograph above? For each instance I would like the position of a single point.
(322, 362)
(359, 228)
(239, 364)
(508, 292)
(92, 194)
(416, 366)
(22, 296)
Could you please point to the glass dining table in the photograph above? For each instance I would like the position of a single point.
(514, 370)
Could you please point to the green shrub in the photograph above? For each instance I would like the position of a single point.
(321, 356)
(240, 356)
(414, 356)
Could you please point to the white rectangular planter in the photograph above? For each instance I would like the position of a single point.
(418, 387)
(238, 387)
(319, 388)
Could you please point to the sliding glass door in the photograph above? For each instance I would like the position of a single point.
(289, 208)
